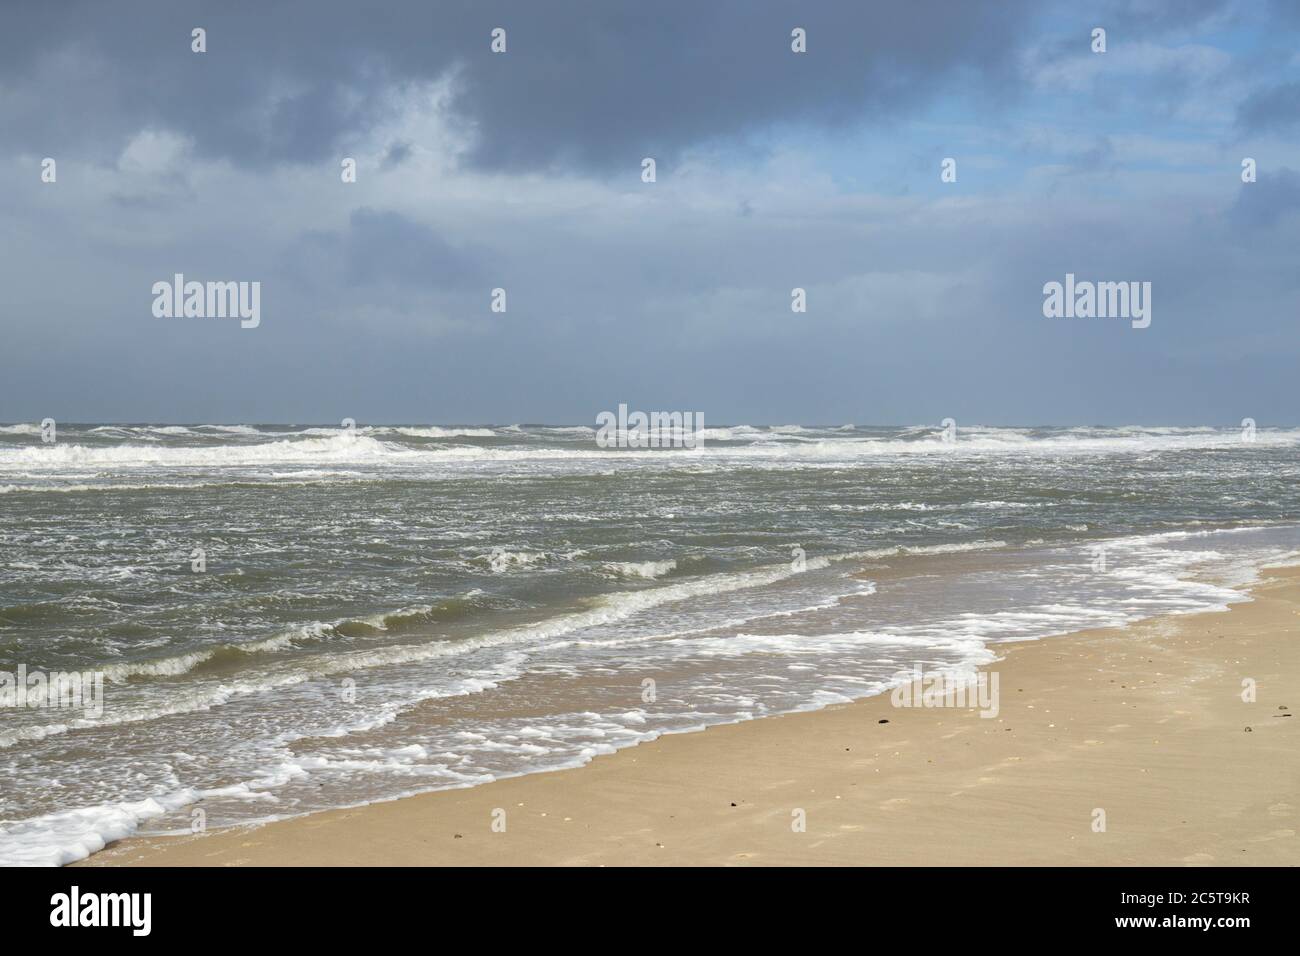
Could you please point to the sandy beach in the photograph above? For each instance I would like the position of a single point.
(1146, 723)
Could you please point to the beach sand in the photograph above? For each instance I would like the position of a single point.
(1146, 723)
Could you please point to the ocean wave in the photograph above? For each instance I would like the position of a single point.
(340, 447)
(919, 549)
(730, 433)
(646, 570)
(290, 480)
(230, 429)
(433, 431)
(179, 664)
(301, 636)
(331, 446)
(971, 647)
(501, 560)
(564, 429)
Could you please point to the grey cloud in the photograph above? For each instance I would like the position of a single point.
(387, 246)
(383, 269)
(397, 154)
(1272, 109)
(696, 315)
(1146, 17)
(1263, 203)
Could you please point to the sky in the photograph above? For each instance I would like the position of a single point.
(522, 170)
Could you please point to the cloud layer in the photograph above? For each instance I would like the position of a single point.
(522, 171)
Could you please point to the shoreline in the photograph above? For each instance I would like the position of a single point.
(1144, 722)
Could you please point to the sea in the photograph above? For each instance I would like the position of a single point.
(289, 618)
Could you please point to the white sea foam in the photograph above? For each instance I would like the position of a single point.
(70, 835)
(501, 560)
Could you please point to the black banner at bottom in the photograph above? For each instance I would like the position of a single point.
(338, 905)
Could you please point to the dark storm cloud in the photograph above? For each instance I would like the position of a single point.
(682, 72)
(292, 81)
